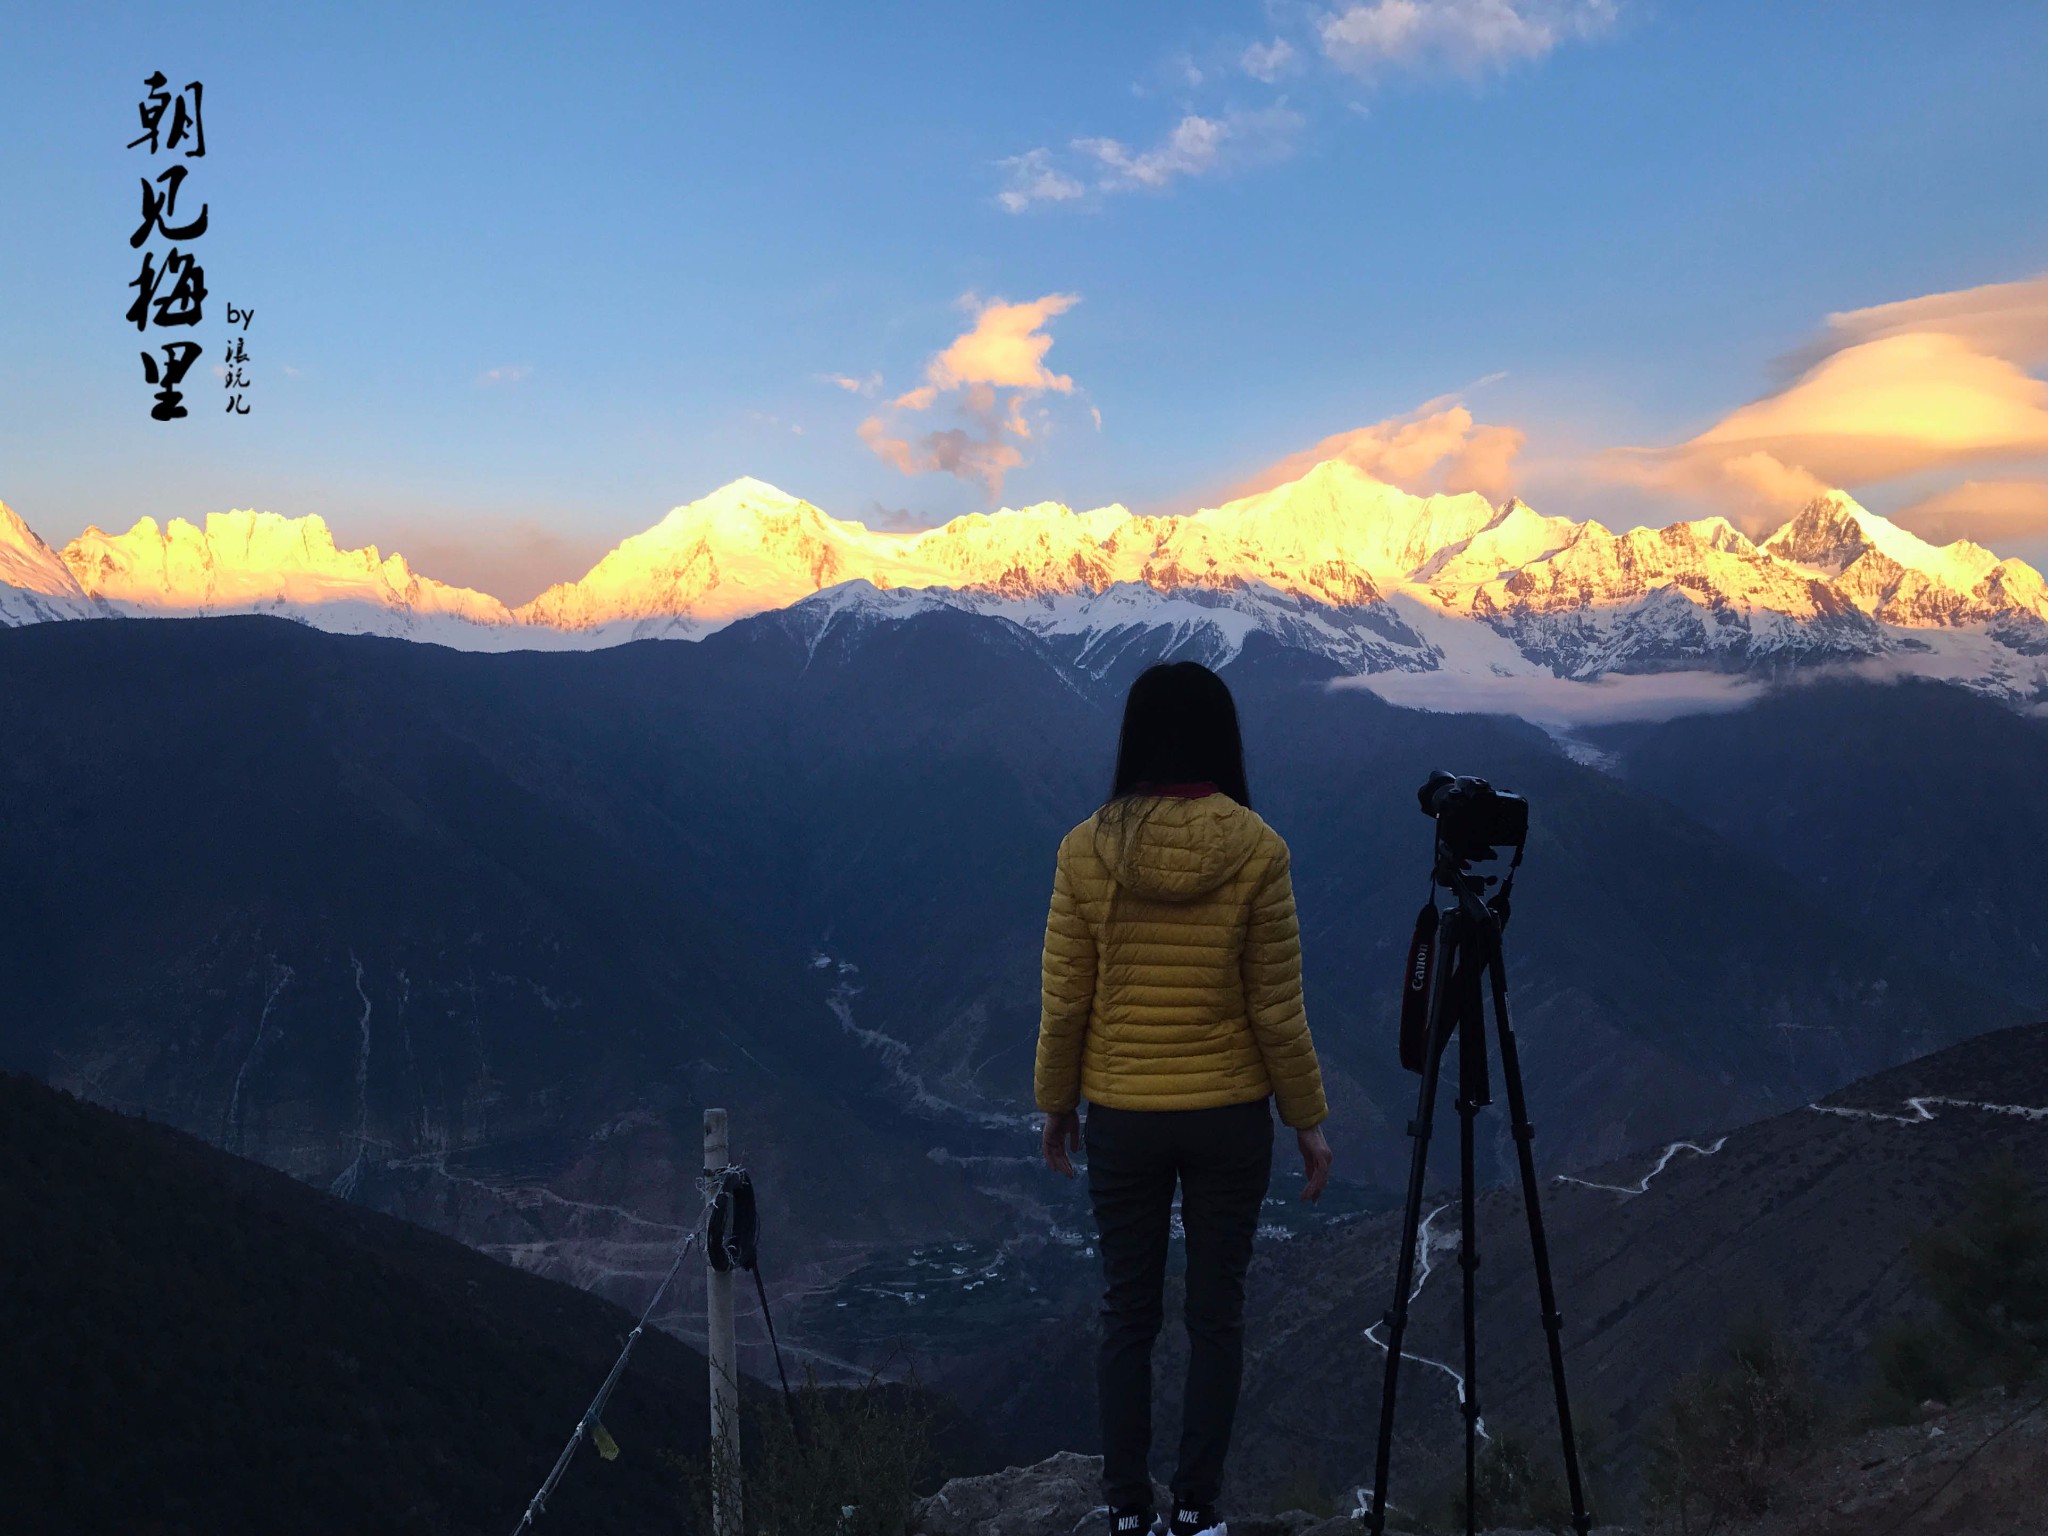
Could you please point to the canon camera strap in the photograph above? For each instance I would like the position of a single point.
(1415, 987)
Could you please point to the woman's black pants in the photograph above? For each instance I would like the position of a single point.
(1221, 1159)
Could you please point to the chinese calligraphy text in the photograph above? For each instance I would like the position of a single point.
(234, 375)
(172, 295)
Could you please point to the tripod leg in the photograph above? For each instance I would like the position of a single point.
(1553, 1323)
(1396, 1320)
(1471, 1091)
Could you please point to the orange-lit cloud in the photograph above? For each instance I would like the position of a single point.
(1436, 447)
(871, 385)
(891, 450)
(1929, 383)
(1757, 477)
(1994, 513)
(1903, 402)
(2008, 320)
(1006, 347)
(989, 372)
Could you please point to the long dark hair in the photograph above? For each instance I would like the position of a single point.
(1180, 727)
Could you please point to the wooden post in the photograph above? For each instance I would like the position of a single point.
(725, 1377)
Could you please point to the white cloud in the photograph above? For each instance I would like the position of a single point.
(1194, 146)
(1363, 39)
(1034, 178)
(1562, 702)
(1189, 150)
(507, 373)
(1462, 37)
(1268, 61)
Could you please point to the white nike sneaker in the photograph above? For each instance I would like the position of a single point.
(1196, 1520)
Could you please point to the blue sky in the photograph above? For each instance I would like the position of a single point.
(523, 279)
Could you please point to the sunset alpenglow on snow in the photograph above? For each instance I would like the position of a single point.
(585, 588)
(525, 286)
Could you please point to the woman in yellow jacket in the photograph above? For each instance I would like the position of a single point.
(1172, 1004)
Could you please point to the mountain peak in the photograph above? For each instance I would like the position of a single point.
(745, 547)
(749, 492)
(736, 509)
(24, 558)
(1514, 537)
(35, 584)
(1336, 561)
(1826, 533)
(1832, 532)
(742, 488)
(243, 560)
(1337, 514)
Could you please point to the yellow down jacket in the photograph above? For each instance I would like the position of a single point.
(1173, 964)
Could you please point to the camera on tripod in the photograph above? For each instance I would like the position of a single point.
(1472, 817)
(1455, 964)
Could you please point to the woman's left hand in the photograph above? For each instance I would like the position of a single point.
(1060, 1138)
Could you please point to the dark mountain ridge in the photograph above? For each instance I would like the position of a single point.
(1818, 782)
(198, 1344)
(1802, 1221)
(475, 938)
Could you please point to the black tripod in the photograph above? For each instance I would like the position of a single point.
(1455, 944)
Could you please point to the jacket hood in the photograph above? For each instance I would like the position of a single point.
(1172, 849)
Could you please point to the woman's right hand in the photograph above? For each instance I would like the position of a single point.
(1315, 1161)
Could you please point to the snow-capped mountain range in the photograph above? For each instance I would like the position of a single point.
(35, 585)
(1336, 563)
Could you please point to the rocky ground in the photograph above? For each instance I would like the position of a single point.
(1804, 1220)
(1977, 1470)
(1980, 1470)
(1058, 1497)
